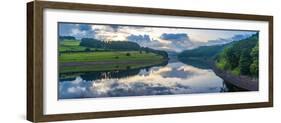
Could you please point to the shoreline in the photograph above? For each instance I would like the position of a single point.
(74, 67)
(243, 82)
(71, 64)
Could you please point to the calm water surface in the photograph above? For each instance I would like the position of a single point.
(172, 78)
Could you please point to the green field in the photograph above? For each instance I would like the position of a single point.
(72, 46)
(70, 51)
(108, 56)
(146, 59)
(70, 42)
(107, 67)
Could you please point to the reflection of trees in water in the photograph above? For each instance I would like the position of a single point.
(109, 74)
(199, 63)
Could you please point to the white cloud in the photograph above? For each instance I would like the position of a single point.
(194, 37)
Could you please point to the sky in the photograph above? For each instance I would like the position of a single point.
(159, 38)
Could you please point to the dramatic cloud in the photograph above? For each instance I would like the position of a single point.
(181, 37)
(139, 38)
(146, 41)
(178, 41)
(168, 39)
(76, 30)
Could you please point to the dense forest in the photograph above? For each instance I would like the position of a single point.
(114, 45)
(241, 58)
(238, 57)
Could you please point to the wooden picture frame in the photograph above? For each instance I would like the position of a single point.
(35, 60)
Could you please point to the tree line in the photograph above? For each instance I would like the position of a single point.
(113, 45)
(66, 38)
(119, 46)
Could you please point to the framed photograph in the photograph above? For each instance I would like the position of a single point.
(89, 61)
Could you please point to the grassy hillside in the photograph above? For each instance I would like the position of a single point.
(73, 45)
(241, 58)
(70, 45)
(201, 52)
(104, 56)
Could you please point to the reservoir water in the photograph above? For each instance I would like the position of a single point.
(174, 77)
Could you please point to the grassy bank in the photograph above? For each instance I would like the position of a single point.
(122, 61)
(108, 56)
(107, 67)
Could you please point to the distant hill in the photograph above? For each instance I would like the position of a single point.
(202, 52)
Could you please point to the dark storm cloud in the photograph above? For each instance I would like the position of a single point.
(175, 37)
(76, 30)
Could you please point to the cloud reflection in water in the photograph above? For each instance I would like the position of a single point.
(174, 78)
